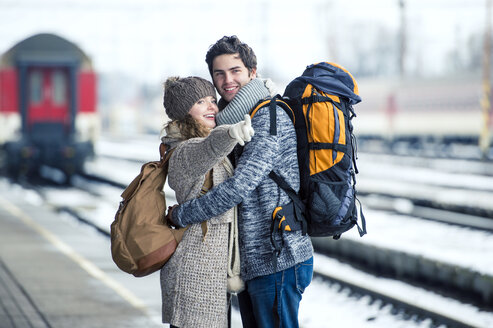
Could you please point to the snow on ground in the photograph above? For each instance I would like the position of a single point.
(457, 245)
(325, 305)
(452, 244)
(140, 147)
(403, 171)
(464, 247)
(404, 292)
(442, 186)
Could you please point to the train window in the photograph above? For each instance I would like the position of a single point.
(59, 87)
(35, 87)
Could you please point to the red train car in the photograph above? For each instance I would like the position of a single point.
(47, 105)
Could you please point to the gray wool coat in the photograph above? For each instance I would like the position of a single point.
(194, 281)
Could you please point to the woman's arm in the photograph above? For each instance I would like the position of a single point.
(194, 157)
(255, 164)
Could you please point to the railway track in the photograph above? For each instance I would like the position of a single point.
(466, 151)
(464, 216)
(449, 281)
(441, 314)
(413, 303)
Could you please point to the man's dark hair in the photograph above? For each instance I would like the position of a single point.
(231, 45)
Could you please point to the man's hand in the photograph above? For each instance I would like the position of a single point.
(242, 131)
(169, 217)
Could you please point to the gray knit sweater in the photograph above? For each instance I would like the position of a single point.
(258, 195)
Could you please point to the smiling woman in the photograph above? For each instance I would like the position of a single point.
(197, 273)
(204, 111)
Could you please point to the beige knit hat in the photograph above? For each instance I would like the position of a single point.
(181, 93)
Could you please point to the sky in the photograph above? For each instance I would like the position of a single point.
(152, 39)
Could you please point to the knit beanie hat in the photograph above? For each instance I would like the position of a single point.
(181, 93)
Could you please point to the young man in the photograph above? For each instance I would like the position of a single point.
(274, 282)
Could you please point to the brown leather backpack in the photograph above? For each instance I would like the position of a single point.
(141, 240)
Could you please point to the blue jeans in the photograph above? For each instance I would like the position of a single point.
(265, 306)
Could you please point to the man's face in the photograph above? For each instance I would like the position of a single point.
(230, 74)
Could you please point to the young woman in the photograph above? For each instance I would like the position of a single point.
(194, 282)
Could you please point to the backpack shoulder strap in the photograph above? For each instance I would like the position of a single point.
(165, 153)
(273, 103)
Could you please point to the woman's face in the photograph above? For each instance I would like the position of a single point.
(204, 111)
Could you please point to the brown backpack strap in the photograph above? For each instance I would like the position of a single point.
(165, 152)
(205, 188)
(163, 148)
(207, 183)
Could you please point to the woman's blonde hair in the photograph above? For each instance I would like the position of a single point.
(190, 127)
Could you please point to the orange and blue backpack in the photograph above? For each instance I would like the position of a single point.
(320, 104)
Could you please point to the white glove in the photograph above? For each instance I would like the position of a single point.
(271, 87)
(242, 131)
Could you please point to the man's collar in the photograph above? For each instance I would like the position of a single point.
(222, 104)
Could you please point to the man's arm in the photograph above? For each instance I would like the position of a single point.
(255, 164)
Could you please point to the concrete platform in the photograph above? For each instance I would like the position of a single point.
(57, 273)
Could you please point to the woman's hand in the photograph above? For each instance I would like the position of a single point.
(242, 131)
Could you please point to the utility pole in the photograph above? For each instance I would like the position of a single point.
(484, 138)
(392, 97)
(402, 38)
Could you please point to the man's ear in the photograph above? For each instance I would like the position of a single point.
(253, 73)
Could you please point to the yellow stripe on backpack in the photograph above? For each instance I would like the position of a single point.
(325, 124)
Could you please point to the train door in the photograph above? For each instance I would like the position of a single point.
(48, 100)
